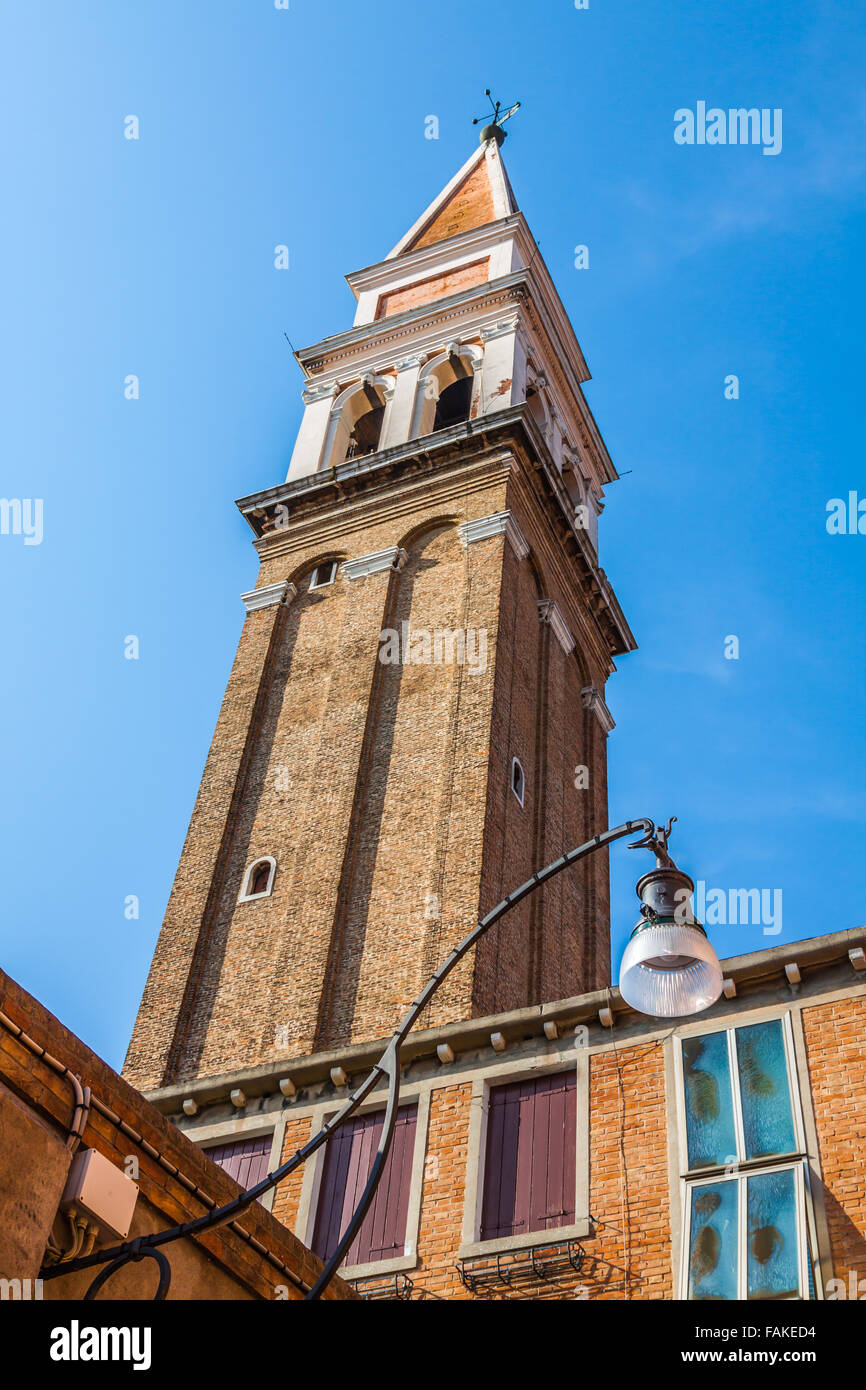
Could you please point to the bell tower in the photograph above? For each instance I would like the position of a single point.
(415, 720)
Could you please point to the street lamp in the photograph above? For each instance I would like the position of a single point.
(669, 969)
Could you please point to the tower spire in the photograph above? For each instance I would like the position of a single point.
(478, 194)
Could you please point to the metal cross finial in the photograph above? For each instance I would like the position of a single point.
(493, 128)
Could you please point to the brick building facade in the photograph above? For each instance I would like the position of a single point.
(60, 1102)
(633, 1179)
(414, 723)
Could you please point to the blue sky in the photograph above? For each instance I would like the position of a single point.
(306, 127)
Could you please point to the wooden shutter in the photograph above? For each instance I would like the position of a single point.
(245, 1160)
(348, 1159)
(530, 1157)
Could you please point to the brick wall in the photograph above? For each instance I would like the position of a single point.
(629, 1254)
(471, 205)
(628, 1190)
(628, 1187)
(176, 1180)
(539, 718)
(383, 792)
(464, 277)
(288, 1195)
(837, 1070)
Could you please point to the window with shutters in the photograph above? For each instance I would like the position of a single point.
(245, 1160)
(745, 1179)
(349, 1156)
(530, 1157)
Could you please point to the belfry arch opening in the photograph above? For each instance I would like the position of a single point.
(356, 422)
(581, 496)
(454, 403)
(364, 437)
(574, 484)
(536, 399)
(445, 390)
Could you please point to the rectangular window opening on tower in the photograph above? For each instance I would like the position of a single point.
(323, 575)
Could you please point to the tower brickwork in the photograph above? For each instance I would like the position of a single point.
(415, 719)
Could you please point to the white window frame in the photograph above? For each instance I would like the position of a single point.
(521, 795)
(741, 1168)
(739, 1158)
(741, 1177)
(324, 583)
(244, 896)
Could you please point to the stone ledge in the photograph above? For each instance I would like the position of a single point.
(755, 970)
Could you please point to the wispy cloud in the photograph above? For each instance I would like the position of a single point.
(823, 161)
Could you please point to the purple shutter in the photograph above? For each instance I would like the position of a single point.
(348, 1159)
(245, 1160)
(530, 1158)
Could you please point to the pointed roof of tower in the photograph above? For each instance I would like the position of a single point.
(478, 194)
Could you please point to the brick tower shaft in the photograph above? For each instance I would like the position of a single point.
(415, 719)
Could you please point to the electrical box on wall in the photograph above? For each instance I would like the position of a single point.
(100, 1190)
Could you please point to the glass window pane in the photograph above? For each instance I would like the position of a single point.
(768, 1124)
(713, 1242)
(709, 1108)
(772, 1255)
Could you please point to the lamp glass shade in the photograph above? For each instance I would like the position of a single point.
(669, 970)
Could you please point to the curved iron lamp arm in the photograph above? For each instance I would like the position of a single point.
(387, 1066)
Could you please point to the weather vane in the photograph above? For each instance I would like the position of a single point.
(493, 129)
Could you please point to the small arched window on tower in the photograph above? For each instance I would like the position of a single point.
(518, 780)
(445, 390)
(258, 880)
(355, 428)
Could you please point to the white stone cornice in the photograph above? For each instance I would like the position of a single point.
(269, 595)
(549, 612)
(499, 524)
(419, 329)
(593, 699)
(393, 559)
